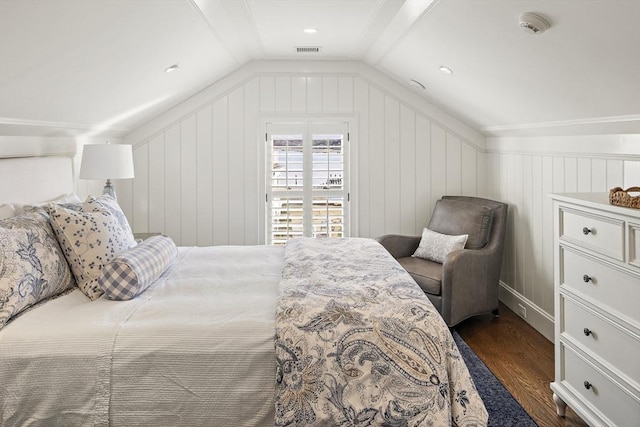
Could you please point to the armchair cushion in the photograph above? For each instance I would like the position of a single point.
(427, 274)
(455, 217)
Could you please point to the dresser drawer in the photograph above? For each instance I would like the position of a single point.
(605, 396)
(604, 286)
(602, 338)
(597, 233)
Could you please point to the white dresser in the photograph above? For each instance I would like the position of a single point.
(597, 309)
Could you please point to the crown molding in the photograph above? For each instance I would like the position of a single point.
(24, 127)
(627, 124)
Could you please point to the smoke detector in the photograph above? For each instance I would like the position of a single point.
(533, 24)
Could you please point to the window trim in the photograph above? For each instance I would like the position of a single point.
(350, 165)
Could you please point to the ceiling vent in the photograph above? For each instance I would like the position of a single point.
(308, 49)
(533, 24)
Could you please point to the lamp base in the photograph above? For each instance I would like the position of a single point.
(109, 189)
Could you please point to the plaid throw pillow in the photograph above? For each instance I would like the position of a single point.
(131, 272)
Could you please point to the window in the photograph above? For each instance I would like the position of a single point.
(307, 180)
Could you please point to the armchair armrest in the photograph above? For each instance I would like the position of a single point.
(399, 246)
(471, 277)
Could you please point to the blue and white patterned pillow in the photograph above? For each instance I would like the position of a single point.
(88, 240)
(132, 272)
(95, 204)
(32, 266)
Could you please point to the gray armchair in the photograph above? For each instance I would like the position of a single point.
(466, 284)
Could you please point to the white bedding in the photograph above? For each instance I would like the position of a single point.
(195, 349)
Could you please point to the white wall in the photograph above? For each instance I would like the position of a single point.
(197, 167)
(198, 180)
(523, 172)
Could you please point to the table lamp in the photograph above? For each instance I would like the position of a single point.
(107, 161)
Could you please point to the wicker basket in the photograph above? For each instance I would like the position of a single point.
(620, 197)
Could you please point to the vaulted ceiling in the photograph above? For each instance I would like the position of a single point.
(97, 67)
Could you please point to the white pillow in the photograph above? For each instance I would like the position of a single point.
(65, 198)
(7, 211)
(11, 210)
(435, 246)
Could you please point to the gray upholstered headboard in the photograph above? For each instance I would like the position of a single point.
(35, 179)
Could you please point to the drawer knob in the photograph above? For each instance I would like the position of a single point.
(587, 385)
(587, 331)
(586, 230)
(586, 278)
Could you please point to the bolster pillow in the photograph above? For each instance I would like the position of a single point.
(131, 272)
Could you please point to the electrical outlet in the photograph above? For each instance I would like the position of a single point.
(522, 311)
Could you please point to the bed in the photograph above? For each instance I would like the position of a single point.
(320, 332)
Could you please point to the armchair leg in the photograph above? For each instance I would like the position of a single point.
(496, 312)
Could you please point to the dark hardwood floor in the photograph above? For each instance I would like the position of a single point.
(522, 359)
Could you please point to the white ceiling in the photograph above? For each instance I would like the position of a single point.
(96, 67)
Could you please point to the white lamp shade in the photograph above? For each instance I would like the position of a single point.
(106, 161)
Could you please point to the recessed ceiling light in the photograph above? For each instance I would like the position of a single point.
(310, 30)
(446, 70)
(172, 68)
(416, 84)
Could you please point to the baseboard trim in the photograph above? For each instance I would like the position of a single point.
(536, 317)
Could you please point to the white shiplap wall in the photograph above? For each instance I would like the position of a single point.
(198, 167)
(198, 175)
(523, 172)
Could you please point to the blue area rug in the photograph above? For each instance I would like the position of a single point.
(504, 410)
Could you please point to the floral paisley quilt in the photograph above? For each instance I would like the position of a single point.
(359, 344)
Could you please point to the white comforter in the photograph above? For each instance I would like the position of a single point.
(197, 348)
